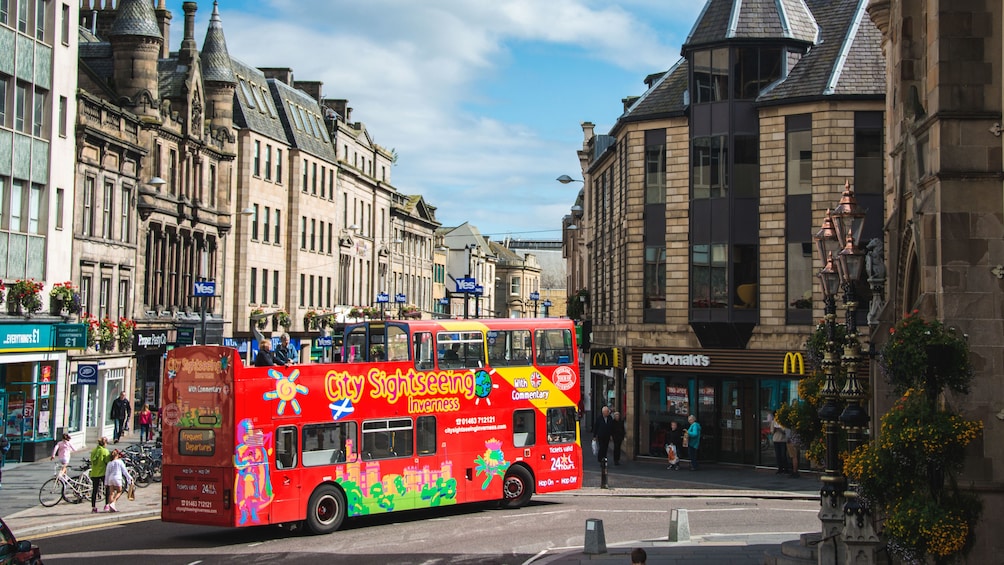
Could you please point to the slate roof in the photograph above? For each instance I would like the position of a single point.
(847, 61)
(172, 78)
(266, 121)
(215, 58)
(725, 20)
(302, 135)
(135, 17)
(665, 97)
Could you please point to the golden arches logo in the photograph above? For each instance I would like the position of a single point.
(795, 362)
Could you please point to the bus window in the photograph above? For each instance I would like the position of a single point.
(426, 432)
(285, 448)
(554, 347)
(461, 350)
(561, 425)
(522, 428)
(397, 343)
(508, 348)
(325, 444)
(355, 345)
(384, 439)
(423, 351)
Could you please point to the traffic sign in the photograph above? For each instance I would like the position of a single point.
(87, 374)
(69, 336)
(204, 289)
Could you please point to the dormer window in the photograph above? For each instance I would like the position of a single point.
(248, 97)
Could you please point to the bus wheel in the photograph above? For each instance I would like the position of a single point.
(326, 510)
(517, 488)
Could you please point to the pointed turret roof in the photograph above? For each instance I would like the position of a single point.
(135, 17)
(215, 58)
(725, 20)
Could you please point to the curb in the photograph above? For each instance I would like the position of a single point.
(95, 521)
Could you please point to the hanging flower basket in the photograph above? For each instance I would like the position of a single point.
(64, 299)
(283, 318)
(23, 297)
(259, 323)
(310, 320)
(107, 330)
(124, 333)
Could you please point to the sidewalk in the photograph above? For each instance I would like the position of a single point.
(647, 477)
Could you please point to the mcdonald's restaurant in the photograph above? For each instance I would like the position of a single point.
(733, 393)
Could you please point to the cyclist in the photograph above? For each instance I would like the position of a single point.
(63, 450)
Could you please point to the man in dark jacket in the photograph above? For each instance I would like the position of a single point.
(617, 432)
(121, 411)
(264, 357)
(602, 429)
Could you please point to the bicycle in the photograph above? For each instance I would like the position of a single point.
(73, 490)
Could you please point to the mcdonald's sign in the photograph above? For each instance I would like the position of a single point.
(793, 361)
(606, 358)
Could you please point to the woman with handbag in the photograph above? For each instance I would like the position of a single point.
(116, 479)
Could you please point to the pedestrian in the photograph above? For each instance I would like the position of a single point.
(602, 429)
(264, 357)
(617, 433)
(284, 354)
(117, 479)
(145, 418)
(674, 445)
(121, 412)
(793, 443)
(99, 461)
(4, 448)
(63, 449)
(693, 439)
(779, 437)
(638, 556)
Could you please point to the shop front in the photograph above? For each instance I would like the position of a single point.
(732, 393)
(151, 347)
(32, 386)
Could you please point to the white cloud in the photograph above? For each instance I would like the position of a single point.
(419, 74)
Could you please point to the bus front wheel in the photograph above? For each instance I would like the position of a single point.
(326, 510)
(517, 488)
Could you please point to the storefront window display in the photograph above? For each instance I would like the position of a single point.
(773, 394)
(30, 390)
(663, 400)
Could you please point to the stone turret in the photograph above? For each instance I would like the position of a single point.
(217, 75)
(136, 43)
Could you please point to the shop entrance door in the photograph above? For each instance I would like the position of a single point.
(738, 421)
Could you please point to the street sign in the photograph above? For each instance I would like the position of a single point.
(444, 301)
(69, 336)
(325, 341)
(204, 289)
(87, 374)
(535, 295)
(466, 285)
(547, 304)
(479, 290)
(186, 336)
(400, 298)
(383, 298)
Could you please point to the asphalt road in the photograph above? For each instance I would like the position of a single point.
(463, 535)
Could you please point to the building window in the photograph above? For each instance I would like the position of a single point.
(745, 276)
(655, 167)
(173, 172)
(514, 286)
(306, 172)
(310, 295)
(85, 293)
(125, 225)
(268, 162)
(313, 178)
(253, 280)
(212, 185)
(60, 202)
(710, 167)
(106, 209)
(38, 123)
(256, 159)
(65, 26)
(303, 233)
(267, 225)
(278, 166)
(330, 238)
(320, 238)
(103, 296)
(254, 223)
(746, 169)
(331, 185)
(88, 202)
(313, 230)
(709, 276)
(62, 116)
(303, 279)
(275, 234)
(327, 294)
(264, 286)
(755, 68)
(275, 287)
(4, 82)
(22, 16)
(711, 75)
(41, 12)
(21, 95)
(655, 277)
(799, 219)
(123, 298)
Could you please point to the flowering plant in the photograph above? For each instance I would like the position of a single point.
(283, 318)
(124, 332)
(66, 296)
(3, 290)
(92, 329)
(25, 292)
(106, 332)
(310, 320)
(261, 322)
(907, 360)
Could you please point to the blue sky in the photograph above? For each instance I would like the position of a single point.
(481, 99)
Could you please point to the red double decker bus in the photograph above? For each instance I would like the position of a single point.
(418, 414)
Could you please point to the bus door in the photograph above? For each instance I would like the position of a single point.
(286, 477)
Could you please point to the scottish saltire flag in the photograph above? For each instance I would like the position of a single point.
(341, 408)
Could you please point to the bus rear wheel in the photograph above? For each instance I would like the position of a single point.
(326, 510)
(517, 487)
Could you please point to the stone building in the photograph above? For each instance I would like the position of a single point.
(944, 204)
(517, 283)
(694, 236)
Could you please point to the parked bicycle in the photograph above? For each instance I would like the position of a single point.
(72, 489)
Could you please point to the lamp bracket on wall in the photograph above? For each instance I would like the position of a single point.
(998, 271)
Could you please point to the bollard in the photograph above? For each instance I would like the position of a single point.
(679, 525)
(603, 473)
(595, 542)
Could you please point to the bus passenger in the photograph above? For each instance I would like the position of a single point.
(264, 357)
